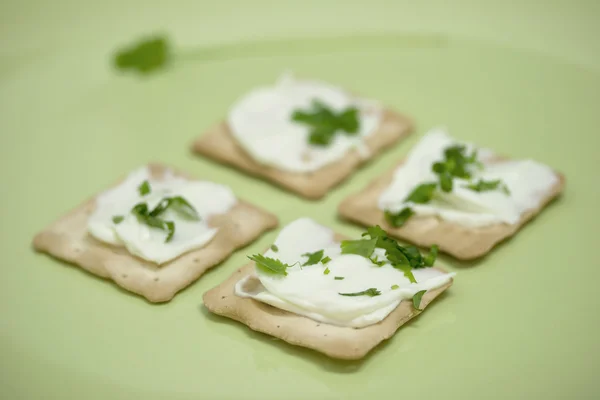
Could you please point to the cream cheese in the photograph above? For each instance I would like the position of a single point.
(207, 198)
(308, 291)
(528, 182)
(261, 122)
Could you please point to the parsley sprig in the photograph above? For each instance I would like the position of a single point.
(455, 164)
(325, 122)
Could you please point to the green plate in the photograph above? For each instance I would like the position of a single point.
(521, 323)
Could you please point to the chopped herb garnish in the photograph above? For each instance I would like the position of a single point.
(270, 265)
(144, 188)
(274, 248)
(395, 287)
(325, 122)
(327, 271)
(363, 247)
(417, 299)
(484, 186)
(117, 219)
(422, 194)
(177, 204)
(455, 164)
(145, 56)
(338, 278)
(325, 260)
(404, 258)
(313, 258)
(369, 292)
(398, 219)
(144, 216)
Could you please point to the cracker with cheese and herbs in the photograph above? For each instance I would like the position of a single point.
(305, 136)
(155, 232)
(339, 297)
(460, 197)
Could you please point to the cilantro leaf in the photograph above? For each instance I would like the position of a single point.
(313, 258)
(371, 292)
(406, 268)
(274, 248)
(398, 219)
(422, 194)
(145, 56)
(429, 260)
(484, 186)
(117, 219)
(417, 299)
(362, 247)
(325, 123)
(269, 265)
(144, 188)
(338, 278)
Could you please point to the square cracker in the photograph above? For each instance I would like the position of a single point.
(68, 239)
(464, 243)
(219, 144)
(334, 341)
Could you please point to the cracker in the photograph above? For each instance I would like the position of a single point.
(68, 239)
(464, 243)
(334, 341)
(219, 144)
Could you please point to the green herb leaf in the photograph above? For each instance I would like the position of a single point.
(417, 299)
(407, 269)
(484, 186)
(269, 265)
(184, 208)
(313, 258)
(117, 219)
(362, 247)
(325, 123)
(171, 229)
(327, 271)
(429, 260)
(446, 183)
(422, 194)
(177, 204)
(369, 292)
(325, 260)
(144, 188)
(145, 56)
(338, 278)
(395, 287)
(398, 219)
(274, 248)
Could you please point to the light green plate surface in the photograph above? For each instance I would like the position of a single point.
(522, 323)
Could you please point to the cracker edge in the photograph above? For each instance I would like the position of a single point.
(96, 257)
(461, 242)
(337, 342)
(314, 185)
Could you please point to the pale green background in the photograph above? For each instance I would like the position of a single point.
(521, 78)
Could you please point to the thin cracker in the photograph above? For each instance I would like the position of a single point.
(219, 144)
(464, 243)
(68, 239)
(334, 341)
